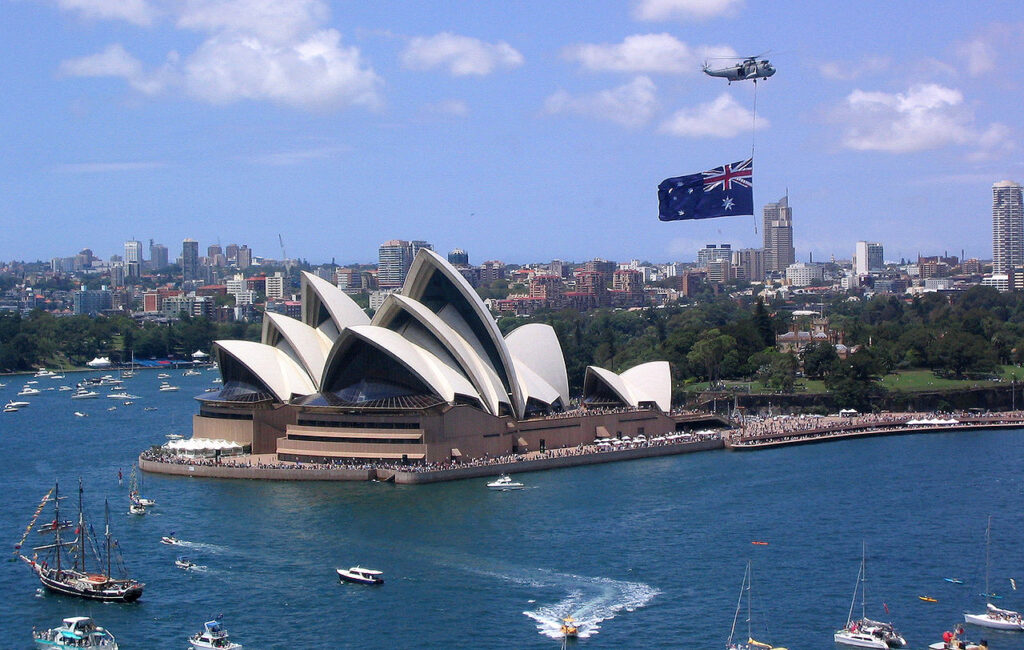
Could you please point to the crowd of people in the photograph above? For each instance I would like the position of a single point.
(758, 430)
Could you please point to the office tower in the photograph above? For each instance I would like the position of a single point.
(243, 257)
(458, 257)
(189, 260)
(158, 255)
(275, 286)
(133, 251)
(231, 253)
(1007, 227)
(394, 259)
(751, 261)
(778, 235)
(711, 253)
(867, 257)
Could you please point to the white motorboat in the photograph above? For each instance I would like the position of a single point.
(63, 388)
(84, 393)
(994, 617)
(16, 404)
(28, 390)
(865, 632)
(951, 641)
(79, 414)
(190, 373)
(75, 632)
(504, 483)
(136, 508)
(163, 375)
(43, 372)
(11, 409)
(184, 563)
(167, 388)
(170, 539)
(213, 636)
(359, 575)
(122, 395)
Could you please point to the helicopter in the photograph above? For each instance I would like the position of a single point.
(748, 68)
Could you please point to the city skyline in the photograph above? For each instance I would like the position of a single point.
(501, 130)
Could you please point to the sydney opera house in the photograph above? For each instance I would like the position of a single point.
(429, 379)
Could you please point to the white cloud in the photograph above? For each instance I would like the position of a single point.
(644, 53)
(721, 118)
(849, 70)
(259, 50)
(137, 12)
(674, 9)
(291, 158)
(114, 61)
(275, 20)
(315, 73)
(979, 55)
(631, 105)
(927, 116)
(462, 55)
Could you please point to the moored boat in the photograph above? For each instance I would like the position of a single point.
(65, 567)
(951, 641)
(750, 644)
(994, 617)
(213, 636)
(359, 575)
(75, 632)
(865, 632)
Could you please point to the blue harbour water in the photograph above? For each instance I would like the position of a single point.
(646, 553)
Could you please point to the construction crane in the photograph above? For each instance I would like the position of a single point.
(284, 255)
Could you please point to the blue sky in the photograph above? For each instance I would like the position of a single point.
(520, 131)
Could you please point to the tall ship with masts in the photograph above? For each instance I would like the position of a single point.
(74, 563)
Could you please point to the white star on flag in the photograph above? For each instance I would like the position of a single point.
(727, 203)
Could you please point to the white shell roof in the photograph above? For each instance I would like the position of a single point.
(415, 285)
(533, 385)
(307, 345)
(651, 382)
(536, 347)
(279, 372)
(429, 369)
(480, 373)
(343, 310)
(648, 382)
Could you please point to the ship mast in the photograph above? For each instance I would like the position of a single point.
(56, 514)
(106, 509)
(81, 529)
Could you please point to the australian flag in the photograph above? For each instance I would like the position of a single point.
(720, 192)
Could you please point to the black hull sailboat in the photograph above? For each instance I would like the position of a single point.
(63, 568)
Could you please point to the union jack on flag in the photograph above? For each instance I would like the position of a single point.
(720, 192)
(740, 174)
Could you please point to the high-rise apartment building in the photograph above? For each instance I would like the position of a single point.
(458, 257)
(751, 263)
(157, 255)
(133, 251)
(778, 235)
(190, 260)
(394, 258)
(711, 253)
(275, 286)
(868, 258)
(1007, 227)
(243, 257)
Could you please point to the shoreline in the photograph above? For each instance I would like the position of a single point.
(538, 462)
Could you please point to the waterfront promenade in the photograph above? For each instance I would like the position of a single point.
(758, 433)
(267, 466)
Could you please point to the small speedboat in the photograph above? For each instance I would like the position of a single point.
(951, 641)
(136, 508)
(170, 539)
(183, 562)
(167, 388)
(213, 636)
(361, 576)
(569, 627)
(75, 632)
(79, 414)
(28, 390)
(505, 482)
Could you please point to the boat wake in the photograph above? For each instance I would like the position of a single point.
(202, 546)
(590, 601)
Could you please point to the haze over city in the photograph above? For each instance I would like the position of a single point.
(523, 132)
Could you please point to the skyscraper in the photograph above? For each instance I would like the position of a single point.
(394, 258)
(157, 255)
(133, 251)
(190, 260)
(1007, 226)
(868, 257)
(778, 235)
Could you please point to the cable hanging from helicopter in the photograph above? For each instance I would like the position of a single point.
(750, 68)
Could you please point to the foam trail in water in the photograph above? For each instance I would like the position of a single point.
(590, 601)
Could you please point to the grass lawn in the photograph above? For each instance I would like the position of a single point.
(905, 380)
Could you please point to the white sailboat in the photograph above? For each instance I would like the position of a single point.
(865, 632)
(750, 643)
(994, 617)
